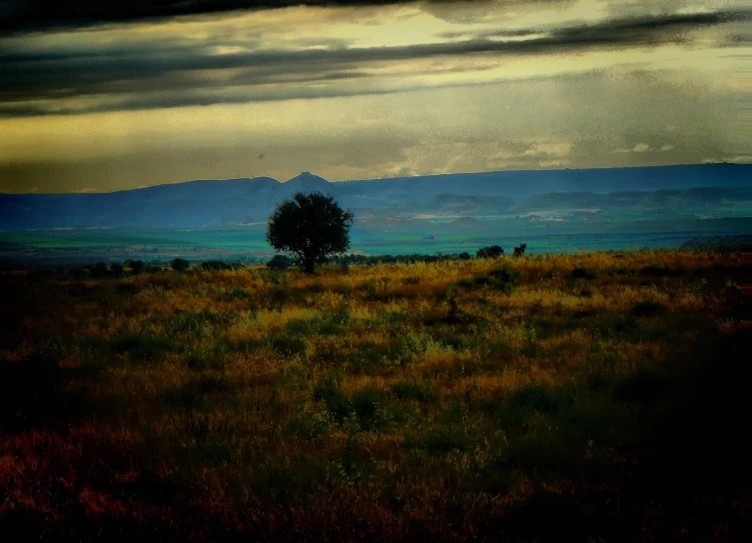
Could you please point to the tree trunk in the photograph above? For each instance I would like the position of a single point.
(308, 265)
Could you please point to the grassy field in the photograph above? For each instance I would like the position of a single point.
(581, 397)
(374, 237)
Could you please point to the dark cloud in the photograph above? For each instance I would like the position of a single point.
(18, 16)
(187, 73)
(630, 31)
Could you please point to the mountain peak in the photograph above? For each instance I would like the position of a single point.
(308, 181)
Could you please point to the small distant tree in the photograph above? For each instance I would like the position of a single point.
(311, 227)
(493, 251)
(520, 251)
(180, 264)
(136, 267)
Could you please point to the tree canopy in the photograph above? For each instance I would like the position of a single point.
(493, 251)
(310, 226)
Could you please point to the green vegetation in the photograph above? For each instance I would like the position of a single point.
(591, 396)
(311, 227)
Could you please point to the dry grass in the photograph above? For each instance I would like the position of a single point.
(562, 398)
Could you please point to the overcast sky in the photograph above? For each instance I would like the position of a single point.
(98, 96)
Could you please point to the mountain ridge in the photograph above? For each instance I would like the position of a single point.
(213, 203)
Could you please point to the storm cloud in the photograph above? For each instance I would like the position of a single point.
(18, 16)
(126, 94)
(189, 73)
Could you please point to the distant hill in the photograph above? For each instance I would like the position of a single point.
(197, 204)
(657, 199)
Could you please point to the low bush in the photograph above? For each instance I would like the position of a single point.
(236, 294)
(649, 309)
(492, 251)
(143, 346)
(289, 346)
(583, 273)
(180, 264)
(420, 392)
(279, 262)
(443, 440)
(214, 266)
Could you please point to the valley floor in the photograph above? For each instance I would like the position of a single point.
(592, 396)
(375, 237)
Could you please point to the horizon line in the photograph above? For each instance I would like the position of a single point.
(147, 187)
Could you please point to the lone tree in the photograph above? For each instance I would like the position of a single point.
(311, 227)
(520, 251)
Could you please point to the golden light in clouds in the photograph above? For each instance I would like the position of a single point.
(372, 92)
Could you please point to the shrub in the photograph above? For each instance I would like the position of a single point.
(279, 262)
(582, 273)
(237, 293)
(214, 266)
(492, 251)
(279, 297)
(180, 264)
(127, 288)
(337, 403)
(136, 266)
(289, 346)
(248, 345)
(444, 440)
(142, 347)
(370, 355)
(649, 309)
(204, 360)
(504, 278)
(195, 325)
(369, 287)
(520, 251)
(99, 270)
(275, 277)
(301, 327)
(412, 346)
(339, 316)
(308, 423)
(420, 392)
(530, 399)
(116, 270)
(452, 339)
(366, 405)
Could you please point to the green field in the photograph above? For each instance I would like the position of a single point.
(370, 238)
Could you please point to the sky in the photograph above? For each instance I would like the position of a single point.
(103, 96)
